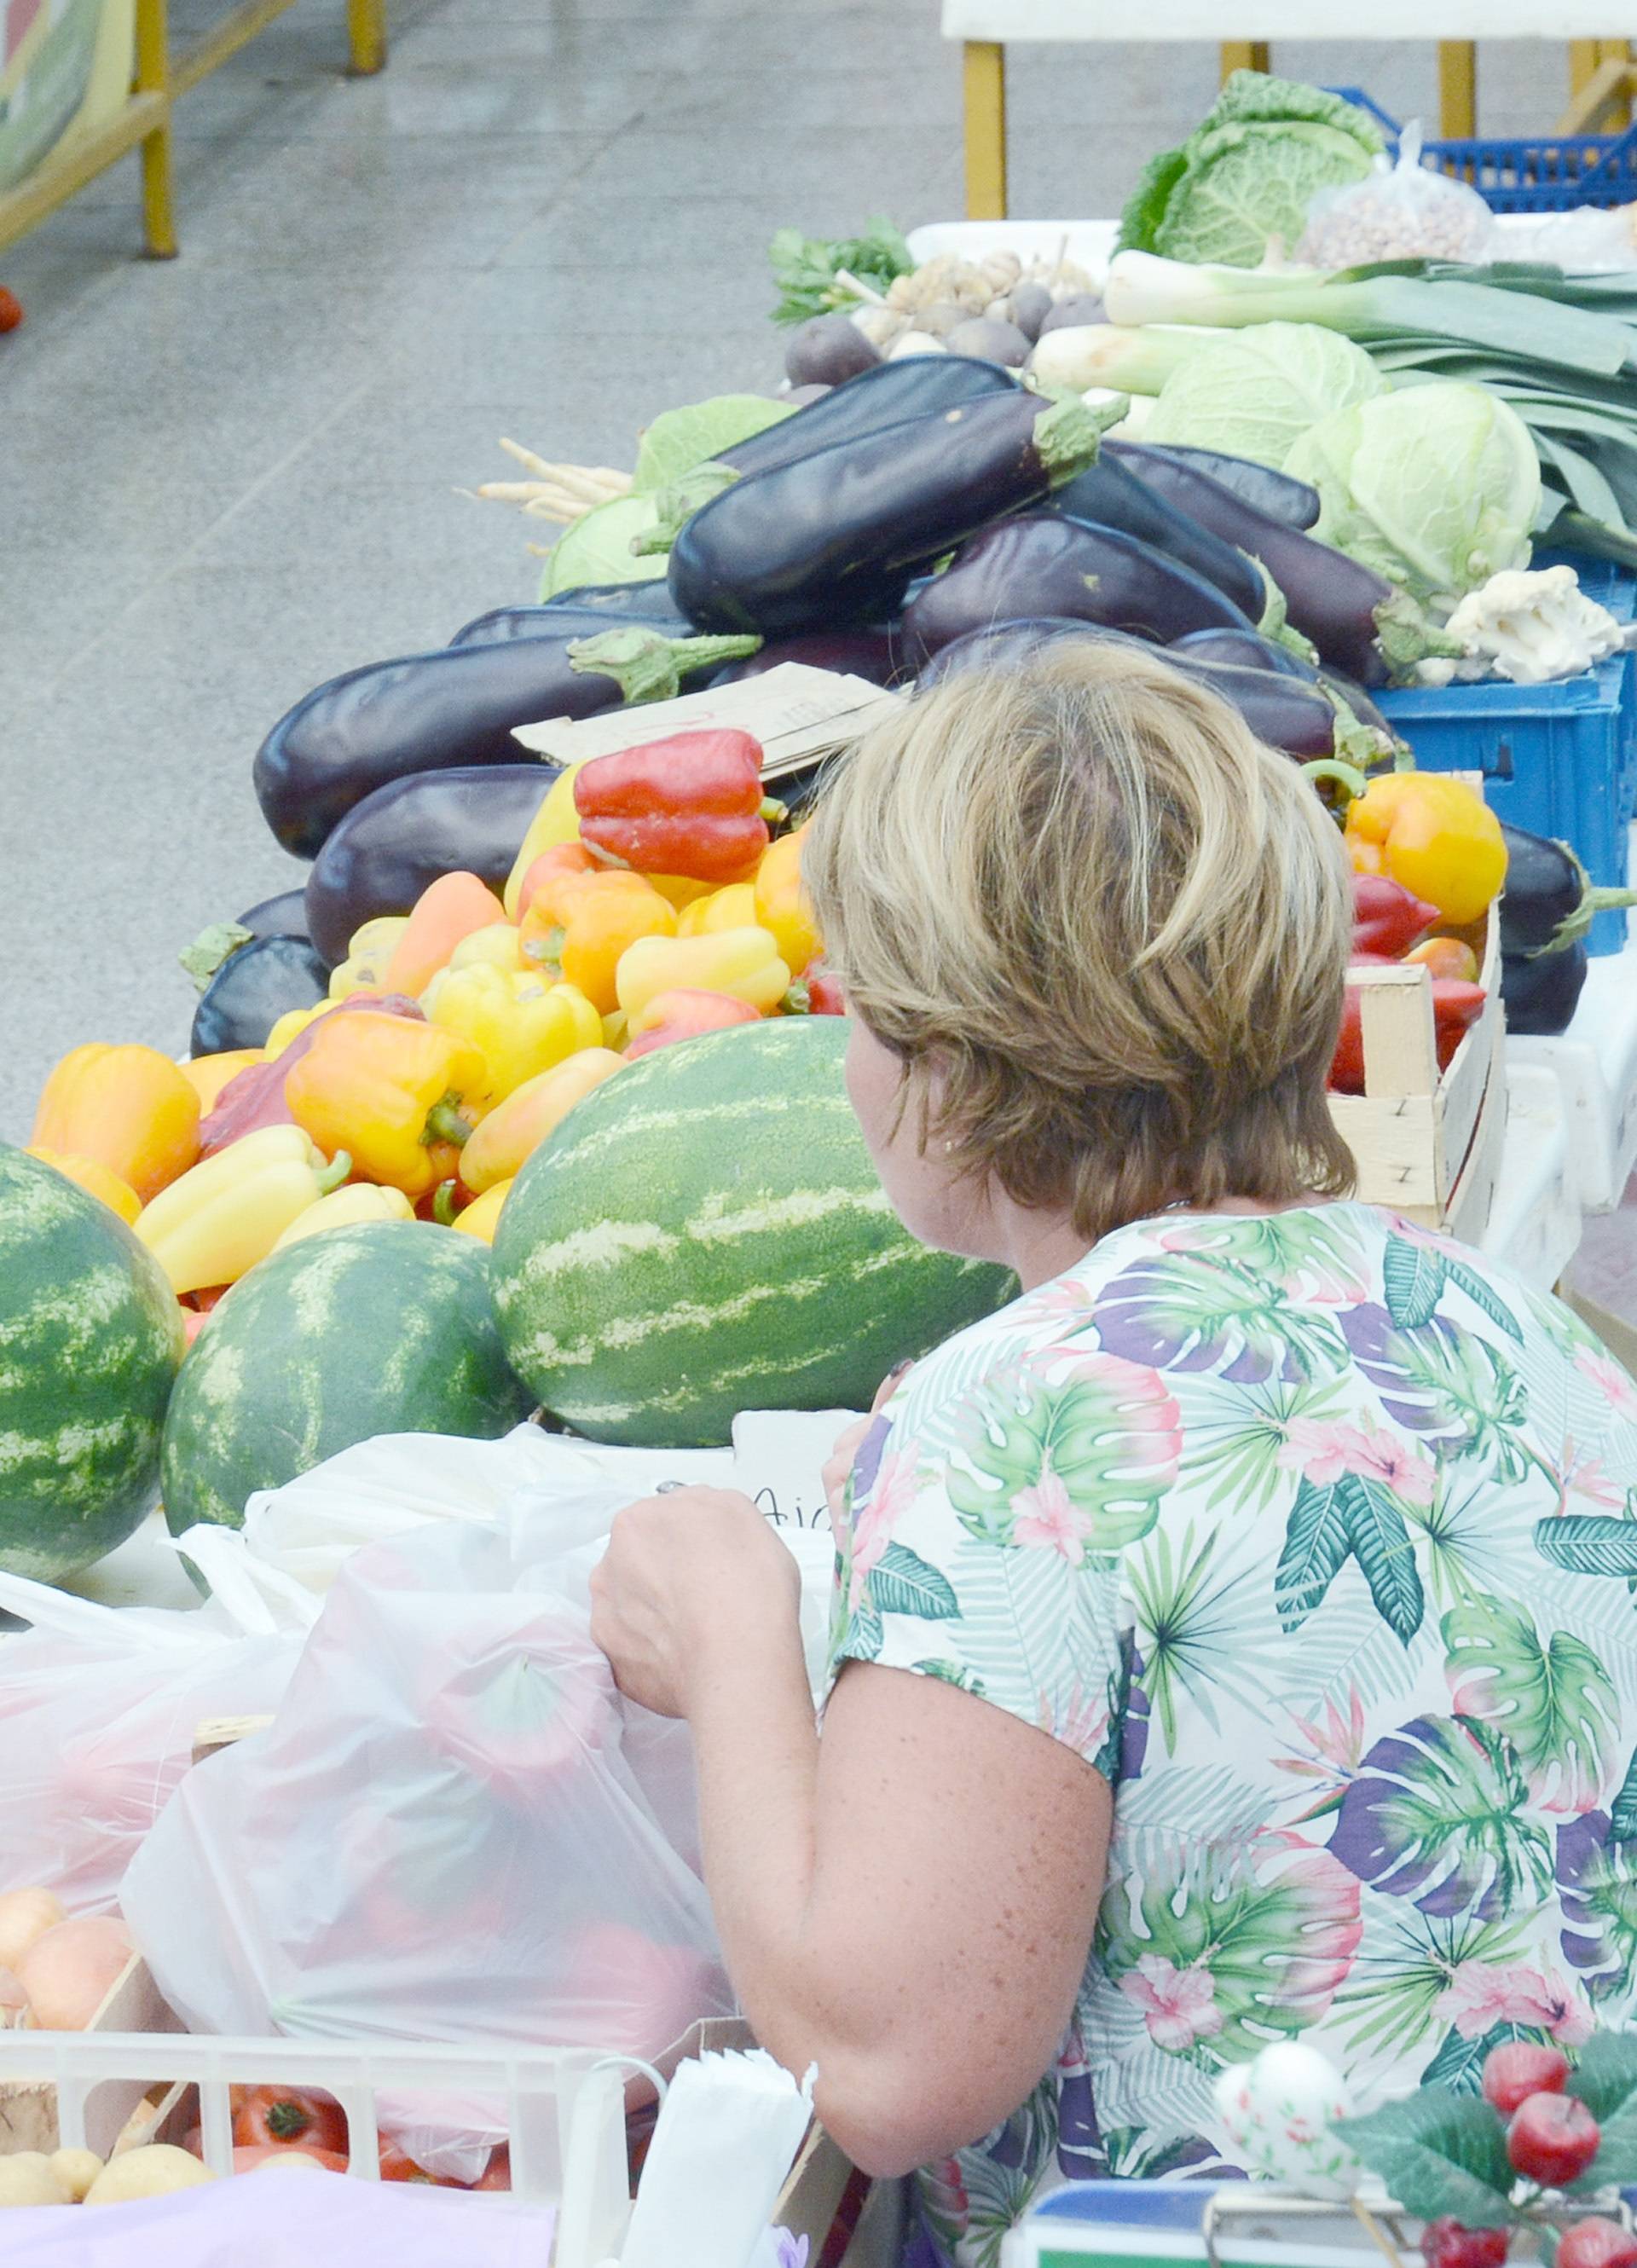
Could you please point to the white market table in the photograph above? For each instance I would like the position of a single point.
(1598, 62)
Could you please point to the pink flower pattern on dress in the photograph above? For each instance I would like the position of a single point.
(1610, 1380)
(1323, 1453)
(1480, 1995)
(892, 1494)
(1044, 1513)
(1178, 2004)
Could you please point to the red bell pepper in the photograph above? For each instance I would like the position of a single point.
(1455, 1007)
(1386, 917)
(256, 1097)
(691, 805)
(815, 992)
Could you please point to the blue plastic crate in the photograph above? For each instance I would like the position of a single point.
(1560, 760)
(1551, 172)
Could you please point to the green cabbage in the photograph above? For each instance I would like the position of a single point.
(1249, 172)
(1435, 487)
(1253, 393)
(679, 439)
(597, 548)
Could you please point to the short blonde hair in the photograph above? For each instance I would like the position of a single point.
(1105, 927)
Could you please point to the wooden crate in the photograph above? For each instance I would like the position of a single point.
(1427, 1146)
(118, 2113)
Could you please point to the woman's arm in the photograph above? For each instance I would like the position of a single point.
(907, 1902)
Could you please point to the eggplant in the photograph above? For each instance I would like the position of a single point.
(832, 538)
(1291, 717)
(390, 846)
(1549, 900)
(917, 386)
(1244, 650)
(1280, 495)
(1111, 497)
(253, 988)
(1365, 709)
(284, 916)
(871, 653)
(557, 619)
(1329, 597)
(451, 710)
(1043, 563)
(1541, 991)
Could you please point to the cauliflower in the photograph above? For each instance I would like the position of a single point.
(1529, 625)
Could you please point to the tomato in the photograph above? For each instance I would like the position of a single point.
(11, 310)
(291, 2118)
(245, 2159)
(394, 2167)
(496, 2175)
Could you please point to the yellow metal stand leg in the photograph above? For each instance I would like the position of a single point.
(1244, 55)
(366, 28)
(985, 130)
(153, 77)
(1458, 89)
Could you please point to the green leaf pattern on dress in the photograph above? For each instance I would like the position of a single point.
(1317, 1535)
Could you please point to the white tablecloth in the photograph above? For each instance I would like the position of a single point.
(1284, 19)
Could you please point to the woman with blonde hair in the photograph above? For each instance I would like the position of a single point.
(1233, 1641)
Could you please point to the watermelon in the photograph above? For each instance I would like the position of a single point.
(705, 1234)
(384, 1327)
(90, 1338)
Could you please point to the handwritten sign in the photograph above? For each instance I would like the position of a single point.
(796, 712)
(778, 1461)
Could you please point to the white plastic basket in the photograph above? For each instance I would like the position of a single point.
(564, 2109)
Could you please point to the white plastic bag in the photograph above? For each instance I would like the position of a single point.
(97, 1712)
(443, 1835)
(1404, 211)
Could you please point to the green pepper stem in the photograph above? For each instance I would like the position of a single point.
(443, 1204)
(1331, 769)
(331, 1177)
(446, 1123)
(774, 811)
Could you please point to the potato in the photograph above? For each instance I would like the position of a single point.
(155, 2170)
(915, 343)
(26, 1915)
(1030, 305)
(1068, 314)
(69, 1972)
(990, 342)
(74, 2171)
(826, 350)
(27, 2178)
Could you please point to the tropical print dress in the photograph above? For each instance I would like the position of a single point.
(1317, 1536)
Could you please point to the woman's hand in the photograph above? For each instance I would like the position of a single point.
(685, 1574)
(838, 1467)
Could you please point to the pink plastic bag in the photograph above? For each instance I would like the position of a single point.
(286, 2219)
(443, 1837)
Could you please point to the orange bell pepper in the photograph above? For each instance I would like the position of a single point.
(128, 1109)
(394, 1093)
(96, 1180)
(562, 861)
(517, 1127)
(604, 914)
(782, 906)
(208, 1075)
(447, 910)
(685, 1015)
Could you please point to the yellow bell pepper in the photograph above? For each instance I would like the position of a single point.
(228, 1211)
(782, 905)
(96, 1180)
(291, 1024)
(734, 908)
(1435, 835)
(522, 1023)
(369, 950)
(556, 821)
(401, 1097)
(744, 963)
(521, 1123)
(130, 1108)
(499, 946)
(480, 1217)
(347, 1208)
(208, 1075)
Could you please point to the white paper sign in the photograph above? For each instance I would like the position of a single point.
(796, 712)
(778, 1461)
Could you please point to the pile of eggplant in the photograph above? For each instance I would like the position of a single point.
(923, 516)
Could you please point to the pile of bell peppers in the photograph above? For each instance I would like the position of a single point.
(650, 903)
(1428, 861)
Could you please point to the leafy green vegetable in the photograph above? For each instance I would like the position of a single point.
(1249, 172)
(679, 439)
(597, 548)
(805, 267)
(1253, 393)
(1437, 487)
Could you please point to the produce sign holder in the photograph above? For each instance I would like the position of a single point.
(1427, 1146)
(1559, 759)
(112, 2113)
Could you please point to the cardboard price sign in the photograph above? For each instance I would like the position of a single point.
(797, 713)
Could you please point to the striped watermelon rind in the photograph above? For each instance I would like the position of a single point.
(91, 1336)
(705, 1234)
(384, 1327)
